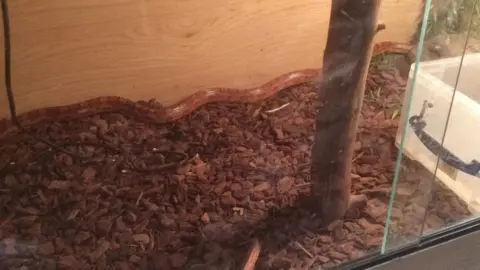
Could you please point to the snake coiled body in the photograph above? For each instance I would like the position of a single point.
(154, 112)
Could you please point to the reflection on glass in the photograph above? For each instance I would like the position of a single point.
(435, 183)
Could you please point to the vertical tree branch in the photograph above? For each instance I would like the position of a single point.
(353, 24)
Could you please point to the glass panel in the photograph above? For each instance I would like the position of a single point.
(431, 191)
(456, 197)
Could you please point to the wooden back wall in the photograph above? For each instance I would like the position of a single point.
(69, 51)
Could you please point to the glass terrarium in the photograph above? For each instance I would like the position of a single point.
(232, 134)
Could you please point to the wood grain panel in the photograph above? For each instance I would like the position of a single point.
(69, 51)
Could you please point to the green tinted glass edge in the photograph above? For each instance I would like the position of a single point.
(423, 30)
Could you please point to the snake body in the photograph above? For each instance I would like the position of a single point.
(155, 112)
(152, 111)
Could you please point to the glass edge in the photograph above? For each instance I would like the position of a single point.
(423, 30)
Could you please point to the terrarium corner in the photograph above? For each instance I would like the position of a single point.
(66, 52)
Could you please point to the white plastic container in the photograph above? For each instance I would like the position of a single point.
(435, 83)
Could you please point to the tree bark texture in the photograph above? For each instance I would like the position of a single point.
(353, 25)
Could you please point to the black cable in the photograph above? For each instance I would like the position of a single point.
(8, 73)
(8, 84)
(182, 157)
